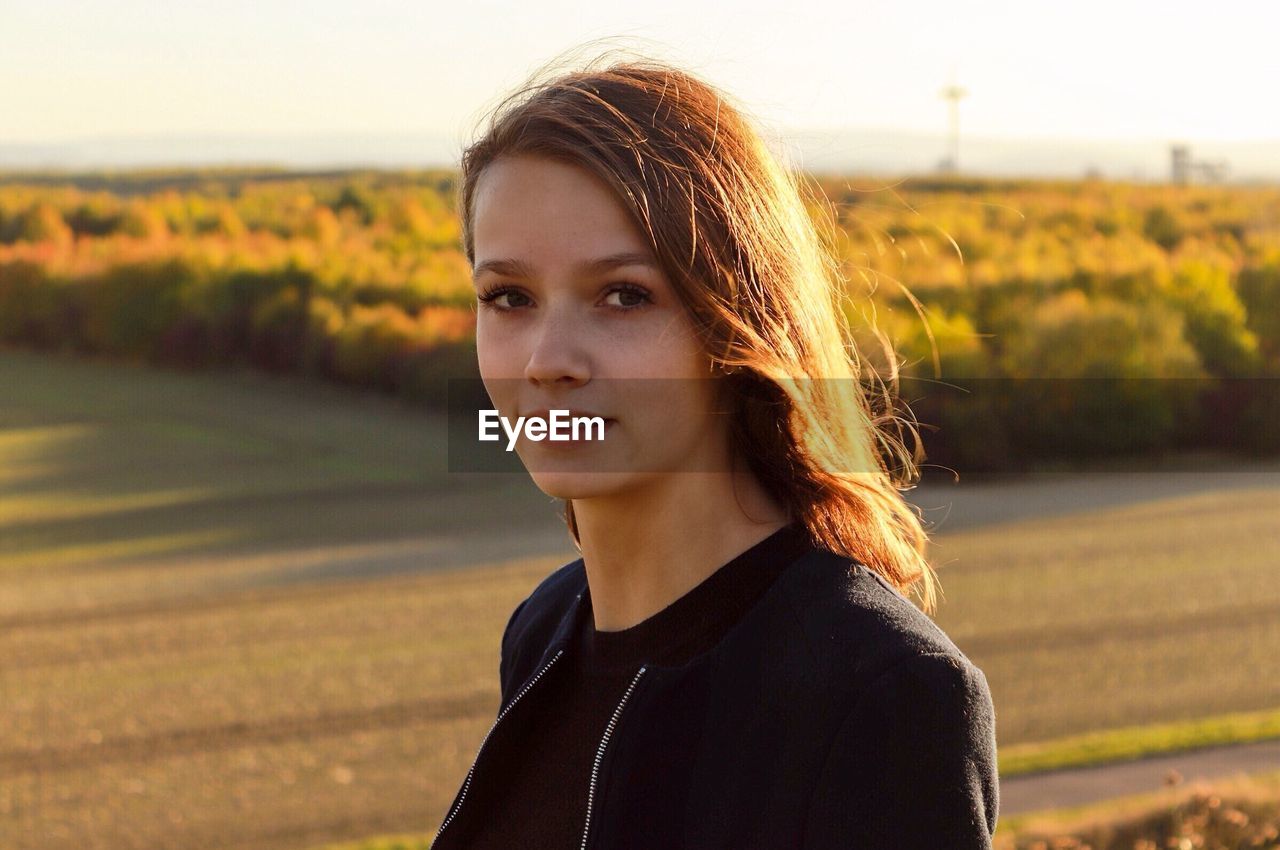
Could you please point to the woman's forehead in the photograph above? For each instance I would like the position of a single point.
(521, 213)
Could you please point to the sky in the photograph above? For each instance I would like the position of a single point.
(1121, 70)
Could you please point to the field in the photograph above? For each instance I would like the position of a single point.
(248, 612)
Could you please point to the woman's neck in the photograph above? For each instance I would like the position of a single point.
(644, 549)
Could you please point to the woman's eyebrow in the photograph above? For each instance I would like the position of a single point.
(519, 268)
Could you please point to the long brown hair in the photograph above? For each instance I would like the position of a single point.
(735, 233)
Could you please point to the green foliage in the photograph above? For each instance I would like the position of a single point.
(31, 307)
(42, 222)
(1072, 336)
(143, 222)
(1216, 318)
(358, 201)
(1260, 293)
(1163, 227)
(127, 308)
(944, 339)
(332, 274)
(95, 217)
(1092, 377)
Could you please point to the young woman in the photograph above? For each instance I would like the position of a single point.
(732, 663)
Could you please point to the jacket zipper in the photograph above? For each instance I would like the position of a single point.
(604, 742)
(466, 785)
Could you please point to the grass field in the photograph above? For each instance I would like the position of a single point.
(246, 612)
(1236, 812)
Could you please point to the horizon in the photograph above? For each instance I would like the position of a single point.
(870, 150)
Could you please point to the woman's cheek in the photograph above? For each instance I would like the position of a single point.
(498, 350)
(656, 346)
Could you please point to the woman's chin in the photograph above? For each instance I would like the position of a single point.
(578, 484)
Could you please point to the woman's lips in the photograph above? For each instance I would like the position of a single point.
(586, 433)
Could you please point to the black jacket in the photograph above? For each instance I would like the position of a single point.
(835, 714)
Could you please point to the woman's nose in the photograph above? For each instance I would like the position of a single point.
(558, 352)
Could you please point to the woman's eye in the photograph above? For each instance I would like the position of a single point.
(494, 297)
(629, 297)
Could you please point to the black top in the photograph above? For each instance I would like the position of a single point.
(544, 800)
(834, 714)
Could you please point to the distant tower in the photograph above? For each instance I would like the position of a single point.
(952, 94)
(1179, 163)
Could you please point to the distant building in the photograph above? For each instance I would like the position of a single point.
(1183, 169)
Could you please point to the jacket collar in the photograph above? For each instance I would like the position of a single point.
(572, 619)
(565, 635)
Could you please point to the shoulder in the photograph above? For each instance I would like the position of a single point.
(913, 724)
(533, 622)
(863, 634)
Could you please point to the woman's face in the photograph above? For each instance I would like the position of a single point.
(555, 331)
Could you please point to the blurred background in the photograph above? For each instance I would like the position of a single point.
(244, 601)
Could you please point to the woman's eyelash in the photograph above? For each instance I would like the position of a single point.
(631, 289)
(490, 296)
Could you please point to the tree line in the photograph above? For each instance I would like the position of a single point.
(1029, 319)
